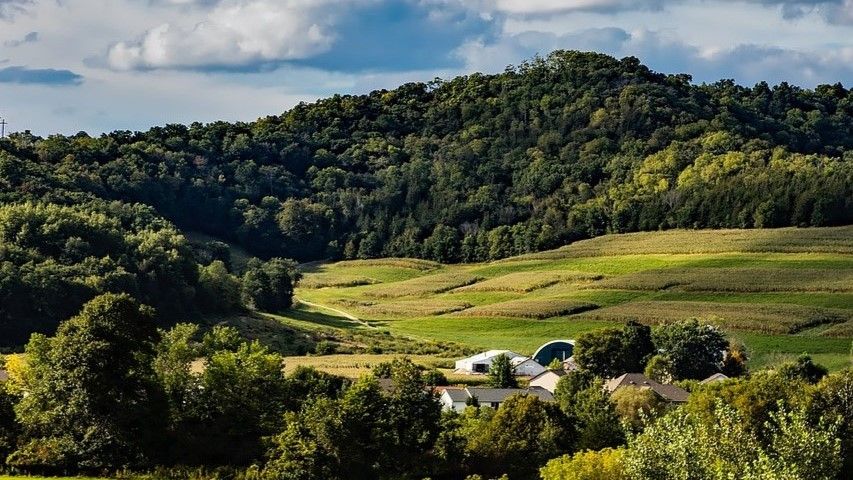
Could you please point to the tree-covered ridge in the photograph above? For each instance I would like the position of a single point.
(479, 167)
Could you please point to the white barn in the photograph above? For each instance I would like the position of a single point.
(482, 362)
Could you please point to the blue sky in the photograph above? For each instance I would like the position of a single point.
(100, 65)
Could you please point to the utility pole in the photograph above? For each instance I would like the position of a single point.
(3, 127)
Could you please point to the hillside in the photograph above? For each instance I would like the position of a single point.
(473, 169)
(782, 292)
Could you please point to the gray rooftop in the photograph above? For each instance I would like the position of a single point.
(498, 395)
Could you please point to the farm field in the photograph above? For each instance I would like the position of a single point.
(781, 292)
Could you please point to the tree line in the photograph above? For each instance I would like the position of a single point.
(109, 393)
(54, 258)
(474, 168)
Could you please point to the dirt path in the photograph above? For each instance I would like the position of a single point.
(341, 313)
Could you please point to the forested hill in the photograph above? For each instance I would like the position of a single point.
(483, 166)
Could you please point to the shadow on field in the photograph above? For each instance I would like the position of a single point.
(320, 318)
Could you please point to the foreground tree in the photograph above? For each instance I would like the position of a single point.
(603, 464)
(224, 394)
(517, 438)
(833, 397)
(9, 428)
(90, 400)
(680, 445)
(334, 439)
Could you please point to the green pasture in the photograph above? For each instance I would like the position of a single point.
(781, 292)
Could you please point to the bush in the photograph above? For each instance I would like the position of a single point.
(603, 464)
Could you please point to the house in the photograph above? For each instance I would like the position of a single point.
(482, 362)
(560, 350)
(717, 377)
(453, 398)
(4, 375)
(457, 398)
(670, 393)
(548, 379)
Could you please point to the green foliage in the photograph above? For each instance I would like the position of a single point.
(89, 400)
(693, 350)
(306, 384)
(364, 434)
(601, 352)
(502, 373)
(660, 369)
(680, 445)
(611, 352)
(804, 369)
(516, 439)
(582, 398)
(268, 286)
(218, 290)
(635, 406)
(833, 398)
(475, 168)
(224, 395)
(597, 420)
(603, 464)
(756, 399)
(9, 428)
(55, 258)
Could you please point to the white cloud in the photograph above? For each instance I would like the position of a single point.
(536, 7)
(234, 34)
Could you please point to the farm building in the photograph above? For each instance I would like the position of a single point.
(548, 379)
(560, 350)
(482, 362)
(458, 398)
(670, 393)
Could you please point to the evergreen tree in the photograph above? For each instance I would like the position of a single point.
(502, 373)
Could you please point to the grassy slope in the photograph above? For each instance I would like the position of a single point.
(782, 292)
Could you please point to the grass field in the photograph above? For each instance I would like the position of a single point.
(782, 292)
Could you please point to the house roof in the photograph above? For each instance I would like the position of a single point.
(498, 395)
(4, 375)
(667, 392)
(457, 394)
(516, 361)
(717, 377)
(491, 354)
(559, 373)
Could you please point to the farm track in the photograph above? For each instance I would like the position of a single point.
(340, 312)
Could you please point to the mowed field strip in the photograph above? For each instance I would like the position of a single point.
(780, 291)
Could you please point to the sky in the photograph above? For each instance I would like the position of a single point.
(102, 65)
